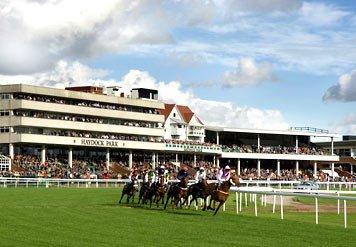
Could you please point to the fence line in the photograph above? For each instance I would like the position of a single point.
(253, 192)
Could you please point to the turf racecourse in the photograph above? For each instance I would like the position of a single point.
(90, 217)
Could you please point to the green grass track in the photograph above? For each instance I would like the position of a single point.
(91, 217)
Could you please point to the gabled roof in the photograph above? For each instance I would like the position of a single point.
(167, 110)
(187, 113)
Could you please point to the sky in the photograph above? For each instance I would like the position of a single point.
(269, 64)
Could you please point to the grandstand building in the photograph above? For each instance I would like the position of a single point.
(345, 149)
(106, 124)
(77, 121)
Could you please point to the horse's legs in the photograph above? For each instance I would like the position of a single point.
(168, 197)
(122, 195)
(217, 209)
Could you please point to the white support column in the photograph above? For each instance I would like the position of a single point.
(332, 145)
(333, 169)
(278, 168)
(130, 159)
(297, 167)
(195, 160)
(214, 160)
(296, 144)
(154, 160)
(258, 142)
(11, 151)
(177, 158)
(258, 168)
(315, 169)
(157, 162)
(70, 157)
(107, 159)
(238, 167)
(352, 169)
(43, 154)
(218, 161)
(217, 138)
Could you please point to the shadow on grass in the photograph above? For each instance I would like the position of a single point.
(170, 210)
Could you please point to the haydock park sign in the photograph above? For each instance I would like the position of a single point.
(101, 143)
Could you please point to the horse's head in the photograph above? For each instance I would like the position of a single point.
(234, 180)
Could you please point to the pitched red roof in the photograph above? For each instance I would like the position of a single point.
(187, 113)
(167, 110)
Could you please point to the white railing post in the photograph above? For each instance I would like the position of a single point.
(345, 215)
(240, 201)
(282, 216)
(237, 202)
(255, 204)
(274, 204)
(338, 203)
(316, 211)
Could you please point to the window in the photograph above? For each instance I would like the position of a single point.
(4, 129)
(5, 96)
(174, 115)
(4, 113)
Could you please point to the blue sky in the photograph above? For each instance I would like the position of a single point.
(254, 64)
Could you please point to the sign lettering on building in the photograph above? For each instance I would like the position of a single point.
(101, 143)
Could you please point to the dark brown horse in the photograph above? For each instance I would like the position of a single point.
(144, 190)
(222, 192)
(177, 192)
(129, 190)
(202, 190)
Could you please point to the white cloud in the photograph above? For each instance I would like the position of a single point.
(264, 6)
(248, 72)
(63, 75)
(35, 35)
(320, 14)
(347, 125)
(344, 90)
(211, 112)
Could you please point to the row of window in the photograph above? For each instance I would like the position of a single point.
(4, 129)
(5, 96)
(4, 113)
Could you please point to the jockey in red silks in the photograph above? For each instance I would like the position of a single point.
(223, 175)
(134, 175)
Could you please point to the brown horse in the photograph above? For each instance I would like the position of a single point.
(158, 192)
(129, 190)
(222, 192)
(201, 191)
(177, 192)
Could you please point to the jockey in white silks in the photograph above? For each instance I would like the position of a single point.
(200, 176)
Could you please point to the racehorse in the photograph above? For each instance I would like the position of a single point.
(129, 190)
(177, 192)
(222, 192)
(144, 190)
(202, 191)
(159, 192)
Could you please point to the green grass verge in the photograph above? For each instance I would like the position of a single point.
(90, 217)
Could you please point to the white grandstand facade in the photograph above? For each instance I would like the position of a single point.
(50, 122)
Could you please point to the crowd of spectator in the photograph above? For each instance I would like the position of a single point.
(192, 143)
(30, 166)
(83, 134)
(78, 102)
(306, 150)
(86, 119)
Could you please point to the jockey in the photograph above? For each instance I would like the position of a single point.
(134, 175)
(200, 176)
(223, 175)
(151, 176)
(161, 172)
(182, 174)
